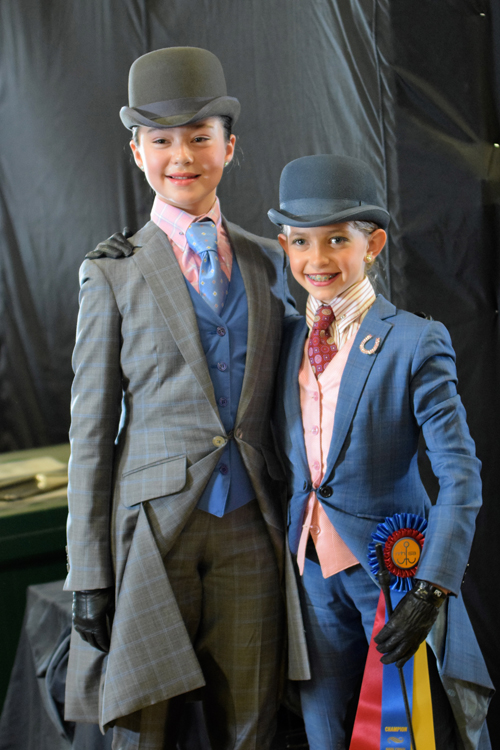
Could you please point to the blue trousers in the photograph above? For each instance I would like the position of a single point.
(338, 613)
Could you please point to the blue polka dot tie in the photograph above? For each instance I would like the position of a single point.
(213, 282)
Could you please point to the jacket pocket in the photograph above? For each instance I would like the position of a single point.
(157, 479)
(368, 516)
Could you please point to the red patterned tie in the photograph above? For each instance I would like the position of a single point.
(321, 347)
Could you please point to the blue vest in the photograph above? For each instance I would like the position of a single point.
(224, 341)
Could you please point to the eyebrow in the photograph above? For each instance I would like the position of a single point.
(192, 126)
(200, 124)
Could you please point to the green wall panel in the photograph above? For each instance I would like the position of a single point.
(32, 541)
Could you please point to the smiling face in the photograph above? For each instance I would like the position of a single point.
(184, 165)
(328, 260)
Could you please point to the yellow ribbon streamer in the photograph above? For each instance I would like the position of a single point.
(422, 716)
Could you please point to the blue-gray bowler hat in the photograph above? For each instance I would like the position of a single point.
(326, 189)
(176, 86)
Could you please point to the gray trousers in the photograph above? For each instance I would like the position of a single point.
(224, 575)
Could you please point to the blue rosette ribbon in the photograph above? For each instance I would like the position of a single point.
(402, 537)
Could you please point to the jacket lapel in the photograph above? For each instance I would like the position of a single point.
(162, 273)
(293, 348)
(357, 370)
(256, 285)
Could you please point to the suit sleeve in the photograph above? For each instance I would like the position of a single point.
(95, 415)
(441, 416)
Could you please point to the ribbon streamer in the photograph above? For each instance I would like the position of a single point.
(422, 715)
(395, 731)
(368, 723)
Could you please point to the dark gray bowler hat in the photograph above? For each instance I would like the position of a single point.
(176, 86)
(326, 189)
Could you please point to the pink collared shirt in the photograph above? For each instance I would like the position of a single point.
(318, 400)
(349, 309)
(175, 222)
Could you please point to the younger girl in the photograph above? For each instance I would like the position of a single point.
(361, 381)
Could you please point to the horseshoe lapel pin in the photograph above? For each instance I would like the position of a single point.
(374, 347)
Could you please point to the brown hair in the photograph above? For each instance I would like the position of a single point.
(367, 228)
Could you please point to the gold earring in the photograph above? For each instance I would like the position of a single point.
(368, 258)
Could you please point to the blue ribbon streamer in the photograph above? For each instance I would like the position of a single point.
(395, 731)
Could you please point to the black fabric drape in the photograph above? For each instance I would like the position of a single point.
(445, 249)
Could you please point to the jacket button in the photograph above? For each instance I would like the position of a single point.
(325, 491)
(219, 441)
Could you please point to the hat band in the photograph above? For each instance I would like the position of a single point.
(318, 206)
(173, 107)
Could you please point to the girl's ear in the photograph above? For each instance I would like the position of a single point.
(230, 149)
(137, 155)
(376, 242)
(283, 240)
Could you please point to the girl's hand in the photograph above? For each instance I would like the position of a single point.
(92, 616)
(410, 623)
(115, 246)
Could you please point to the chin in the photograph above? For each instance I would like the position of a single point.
(322, 293)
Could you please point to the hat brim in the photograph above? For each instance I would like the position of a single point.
(359, 213)
(221, 106)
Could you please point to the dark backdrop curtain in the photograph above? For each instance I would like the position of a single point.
(445, 250)
(411, 87)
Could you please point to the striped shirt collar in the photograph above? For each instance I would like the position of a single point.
(347, 307)
(175, 222)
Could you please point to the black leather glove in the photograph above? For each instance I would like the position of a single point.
(115, 246)
(92, 616)
(410, 623)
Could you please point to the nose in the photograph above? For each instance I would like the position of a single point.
(181, 153)
(319, 255)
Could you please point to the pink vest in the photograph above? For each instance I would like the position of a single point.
(318, 400)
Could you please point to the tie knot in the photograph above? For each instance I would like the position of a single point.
(323, 319)
(202, 236)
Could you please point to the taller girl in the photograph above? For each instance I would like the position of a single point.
(174, 500)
